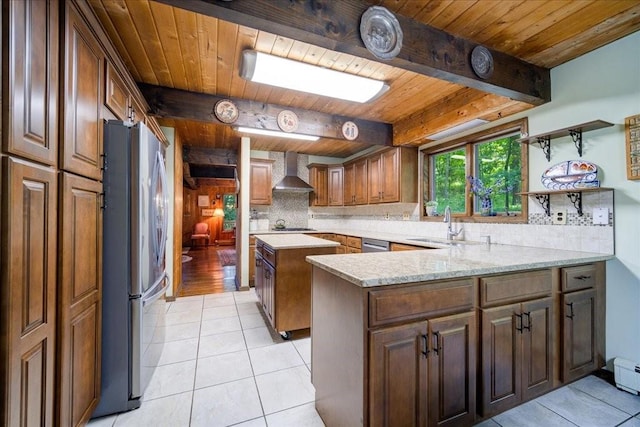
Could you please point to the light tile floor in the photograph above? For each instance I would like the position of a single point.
(222, 366)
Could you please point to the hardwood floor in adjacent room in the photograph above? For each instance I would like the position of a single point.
(205, 274)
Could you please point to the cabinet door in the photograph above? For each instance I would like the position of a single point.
(318, 177)
(260, 183)
(259, 277)
(374, 177)
(398, 376)
(33, 76)
(349, 197)
(28, 294)
(269, 292)
(116, 96)
(537, 365)
(452, 370)
(501, 353)
(579, 355)
(390, 176)
(360, 182)
(79, 299)
(83, 86)
(335, 186)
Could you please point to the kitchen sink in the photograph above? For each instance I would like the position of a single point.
(435, 242)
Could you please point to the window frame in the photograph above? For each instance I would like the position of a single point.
(468, 142)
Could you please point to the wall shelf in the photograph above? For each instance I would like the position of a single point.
(574, 195)
(575, 132)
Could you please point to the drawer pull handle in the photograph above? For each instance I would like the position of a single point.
(570, 315)
(436, 345)
(528, 327)
(425, 346)
(258, 262)
(582, 277)
(519, 322)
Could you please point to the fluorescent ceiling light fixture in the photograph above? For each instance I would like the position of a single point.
(277, 134)
(282, 72)
(456, 129)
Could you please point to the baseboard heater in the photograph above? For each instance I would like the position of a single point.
(627, 375)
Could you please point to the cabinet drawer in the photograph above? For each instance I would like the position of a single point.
(342, 239)
(581, 277)
(508, 288)
(420, 301)
(354, 242)
(269, 255)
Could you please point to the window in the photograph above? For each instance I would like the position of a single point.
(497, 164)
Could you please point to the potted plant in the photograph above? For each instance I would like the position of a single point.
(431, 207)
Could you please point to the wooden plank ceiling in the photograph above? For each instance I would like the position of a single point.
(171, 47)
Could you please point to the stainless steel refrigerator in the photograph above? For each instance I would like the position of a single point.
(134, 277)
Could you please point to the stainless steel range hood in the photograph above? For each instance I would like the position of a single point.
(291, 181)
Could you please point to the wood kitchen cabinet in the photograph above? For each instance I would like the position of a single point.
(392, 176)
(335, 185)
(355, 183)
(581, 330)
(517, 339)
(258, 272)
(83, 97)
(423, 373)
(318, 179)
(260, 173)
(79, 299)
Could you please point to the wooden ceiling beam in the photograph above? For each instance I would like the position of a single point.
(460, 107)
(425, 50)
(172, 103)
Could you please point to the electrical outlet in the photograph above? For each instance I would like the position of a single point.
(406, 216)
(601, 216)
(560, 217)
(387, 216)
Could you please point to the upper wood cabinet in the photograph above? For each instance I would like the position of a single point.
(392, 176)
(33, 80)
(335, 185)
(116, 94)
(318, 179)
(260, 173)
(28, 294)
(79, 299)
(355, 183)
(83, 86)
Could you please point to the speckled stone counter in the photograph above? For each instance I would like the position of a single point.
(294, 241)
(390, 268)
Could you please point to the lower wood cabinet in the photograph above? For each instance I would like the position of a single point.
(79, 299)
(423, 373)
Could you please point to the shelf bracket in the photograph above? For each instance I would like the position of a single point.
(543, 199)
(576, 135)
(545, 144)
(576, 199)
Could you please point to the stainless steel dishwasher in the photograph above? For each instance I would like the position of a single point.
(374, 245)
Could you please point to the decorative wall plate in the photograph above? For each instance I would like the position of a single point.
(571, 174)
(350, 130)
(482, 62)
(287, 121)
(381, 33)
(226, 111)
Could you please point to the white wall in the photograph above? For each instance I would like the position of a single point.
(605, 85)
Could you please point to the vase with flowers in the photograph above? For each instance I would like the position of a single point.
(484, 193)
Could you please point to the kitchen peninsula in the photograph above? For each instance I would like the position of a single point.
(283, 278)
(403, 338)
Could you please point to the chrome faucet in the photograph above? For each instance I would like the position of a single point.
(447, 218)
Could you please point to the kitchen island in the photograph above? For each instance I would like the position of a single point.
(403, 338)
(283, 278)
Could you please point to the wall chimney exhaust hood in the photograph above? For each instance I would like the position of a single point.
(291, 181)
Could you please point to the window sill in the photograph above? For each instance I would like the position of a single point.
(498, 219)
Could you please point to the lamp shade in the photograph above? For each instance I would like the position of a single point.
(282, 72)
(218, 212)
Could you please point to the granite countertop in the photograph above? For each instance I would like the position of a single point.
(294, 241)
(391, 268)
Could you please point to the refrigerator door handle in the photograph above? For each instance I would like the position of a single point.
(153, 294)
